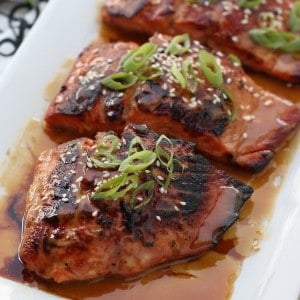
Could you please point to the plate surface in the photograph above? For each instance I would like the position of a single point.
(62, 31)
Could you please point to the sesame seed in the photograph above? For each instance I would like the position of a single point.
(89, 164)
(79, 179)
(160, 177)
(235, 39)
(182, 203)
(248, 118)
(268, 102)
(281, 122)
(158, 218)
(162, 190)
(139, 198)
(176, 208)
(158, 163)
(95, 213)
(244, 135)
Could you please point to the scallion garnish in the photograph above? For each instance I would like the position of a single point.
(233, 111)
(272, 39)
(119, 81)
(138, 160)
(235, 60)
(178, 76)
(210, 69)
(189, 76)
(179, 44)
(266, 19)
(249, 3)
(137, 59)
(294, 17)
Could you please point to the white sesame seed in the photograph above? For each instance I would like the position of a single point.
(160, 177)
(79, 179)
(248, 118)
(235, 39)
(158, 218)
(158, 163)
(139, 198)
(176, 208)
(268, 102)
(182, 203)
(281, 122)
(95, 213)
(244, 135)
(162, 190)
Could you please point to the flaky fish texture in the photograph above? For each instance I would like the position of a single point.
(68, 235)
(224, 25)
(238, 122)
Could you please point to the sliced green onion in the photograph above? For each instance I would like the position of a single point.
(138, 161)
(292, 46)
(149, 187)
(111, 163)
(233, 112)
(189, 76)
(210, 68)
(108, 143)
(149, 73)
(179, 44)
(268, 38)
(234, 59)
(294, 18)
(266, 19)
(119, 81)
(163, 156)
(249, 3)
(134, 144)
(139, 57)
(178, 76)
(130, 184)
(110, 187)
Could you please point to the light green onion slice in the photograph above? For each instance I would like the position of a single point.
(137, 59)
(234, 59)
(210, 69)
(149, 73)
(110, 187)
(148, 186)
(119, 81)
(272, 39)
(109, 143)
(179, 44)
(233, 110)
(190, 76)
(135, 143)
(138, 161)
(165, 158)
(110, 163)
(266, 19)
(294, 17)
(178, 76)
(249, 3)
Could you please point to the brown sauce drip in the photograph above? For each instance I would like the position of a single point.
(211, 276)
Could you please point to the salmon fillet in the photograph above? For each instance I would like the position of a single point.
(224, 25)
(70, 234)
(245, 128)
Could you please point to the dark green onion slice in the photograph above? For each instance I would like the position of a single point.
(148, 186)
(179, 44)
(138, 161)
(249, 3)
(119, 81)
(294, 17)
(190, 76)
(178, 76)
(137, 59)
(210, 69)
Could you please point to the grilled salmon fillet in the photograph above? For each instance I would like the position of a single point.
(224, 25)
(237, 122)
(74, 231)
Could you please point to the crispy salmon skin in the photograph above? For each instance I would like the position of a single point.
(261, 33)
(77, 229)
(232, 119)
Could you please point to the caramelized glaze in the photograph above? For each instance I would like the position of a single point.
(211, 276)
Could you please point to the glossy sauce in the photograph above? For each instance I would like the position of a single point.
(210, 277)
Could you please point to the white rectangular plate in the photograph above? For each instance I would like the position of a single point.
(62, 31)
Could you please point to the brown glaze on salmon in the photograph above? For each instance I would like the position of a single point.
(220, 24)
(68, 236)
(262, 122)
